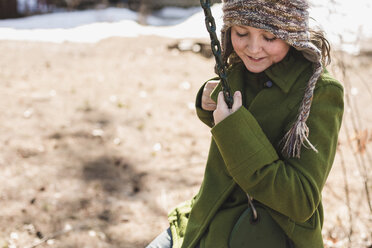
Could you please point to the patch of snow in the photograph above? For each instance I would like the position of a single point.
(345, 23)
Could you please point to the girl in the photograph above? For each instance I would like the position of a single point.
(276, 144)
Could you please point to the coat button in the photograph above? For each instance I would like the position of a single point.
(268, 84)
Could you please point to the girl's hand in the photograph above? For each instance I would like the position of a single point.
(222, 111)
(207, 102)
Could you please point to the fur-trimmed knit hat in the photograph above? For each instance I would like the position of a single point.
(288, 20)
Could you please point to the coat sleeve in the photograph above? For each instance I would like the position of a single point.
(291, 186)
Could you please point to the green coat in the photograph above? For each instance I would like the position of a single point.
(245, 156)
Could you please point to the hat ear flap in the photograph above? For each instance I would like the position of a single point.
(310, 51)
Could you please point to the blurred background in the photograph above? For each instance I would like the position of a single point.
(99, 137)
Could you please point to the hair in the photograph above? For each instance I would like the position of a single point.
(317, 37)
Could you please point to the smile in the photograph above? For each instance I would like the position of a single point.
(255, 59)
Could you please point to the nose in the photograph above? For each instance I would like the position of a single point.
(253, 45)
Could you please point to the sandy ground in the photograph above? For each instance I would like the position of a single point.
(99, 141)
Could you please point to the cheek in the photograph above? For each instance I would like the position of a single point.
(237, 44)
(278, 52)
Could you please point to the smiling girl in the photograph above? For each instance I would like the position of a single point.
(271, 153)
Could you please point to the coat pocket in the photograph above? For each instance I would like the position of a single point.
(262, 233)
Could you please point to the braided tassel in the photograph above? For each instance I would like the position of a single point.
(294, 140)
(296, 137)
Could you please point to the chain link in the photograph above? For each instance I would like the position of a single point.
(216, 49)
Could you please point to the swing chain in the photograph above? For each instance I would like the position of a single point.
(221, 69)
(216, 49)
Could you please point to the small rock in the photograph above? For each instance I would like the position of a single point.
(28, 113)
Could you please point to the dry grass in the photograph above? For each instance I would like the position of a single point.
(100, 141)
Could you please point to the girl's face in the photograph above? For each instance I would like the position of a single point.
(257, 48)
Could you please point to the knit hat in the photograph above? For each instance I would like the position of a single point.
(288, 20)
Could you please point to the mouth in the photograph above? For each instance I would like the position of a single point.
(255, 59)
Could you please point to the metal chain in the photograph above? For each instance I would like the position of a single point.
(216, 49)
(221, 69)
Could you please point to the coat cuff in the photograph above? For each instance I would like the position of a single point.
(243, 144)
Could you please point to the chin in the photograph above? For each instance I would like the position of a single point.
(256, 69)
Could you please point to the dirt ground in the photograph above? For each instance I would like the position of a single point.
(100, 141)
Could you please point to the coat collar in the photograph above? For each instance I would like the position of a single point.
(285, 73)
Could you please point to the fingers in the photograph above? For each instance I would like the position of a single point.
(237, 101)
(222, 111)
(207, 102)
(209, 106)
(210, 85)
(221, 101)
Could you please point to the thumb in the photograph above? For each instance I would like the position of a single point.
(237, 101)
(221, 100)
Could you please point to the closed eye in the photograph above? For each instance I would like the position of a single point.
(269, 39)
(241, 34)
